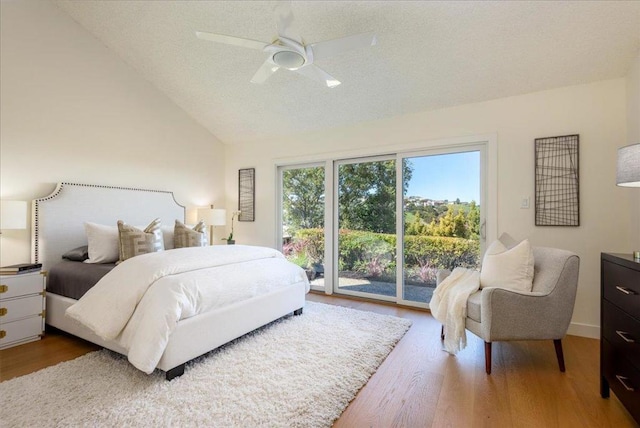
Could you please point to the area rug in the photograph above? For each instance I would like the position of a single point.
(299, 371)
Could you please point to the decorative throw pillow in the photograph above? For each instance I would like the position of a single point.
(102, 242)
(183, 236)
(508, 268)
(79, 254)
(134, 241)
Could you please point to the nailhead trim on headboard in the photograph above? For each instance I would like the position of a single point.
(56, 192)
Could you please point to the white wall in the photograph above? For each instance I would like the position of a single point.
(633, 136)
(73, 111)
(596, 111)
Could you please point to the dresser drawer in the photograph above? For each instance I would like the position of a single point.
(21, 285)
(621, 286)
(15, 309)
(20, 331)
(624, 379)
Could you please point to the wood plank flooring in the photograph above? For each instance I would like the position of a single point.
(419, 385)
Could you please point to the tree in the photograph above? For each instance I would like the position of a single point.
(303, 197)
(473, 220)
(450, 224)
(367, 195)
(417, 226)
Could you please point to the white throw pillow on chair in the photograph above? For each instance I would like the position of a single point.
(508, 268)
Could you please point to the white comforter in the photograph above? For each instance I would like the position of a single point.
(139, 302)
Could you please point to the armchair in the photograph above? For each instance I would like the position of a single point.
(496, 314)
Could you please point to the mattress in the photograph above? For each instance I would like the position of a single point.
(74, 279)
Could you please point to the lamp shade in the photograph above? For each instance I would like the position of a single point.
(212, 216)
(629, 166)
(13, 215)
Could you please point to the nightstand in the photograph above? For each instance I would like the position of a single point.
(22, 308)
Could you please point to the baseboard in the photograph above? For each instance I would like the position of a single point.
(584, 330)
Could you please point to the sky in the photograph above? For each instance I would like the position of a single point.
(448, 176)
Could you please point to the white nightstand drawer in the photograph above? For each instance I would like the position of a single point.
(24, 330)
(15, 309)
(21, 285)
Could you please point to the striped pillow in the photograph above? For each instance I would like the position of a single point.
(133, 241)
(183, 236)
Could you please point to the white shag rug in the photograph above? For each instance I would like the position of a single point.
(299, 371)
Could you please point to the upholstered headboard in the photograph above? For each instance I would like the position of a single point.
(58, 219)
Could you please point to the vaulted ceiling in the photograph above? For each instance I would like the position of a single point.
(429, 55)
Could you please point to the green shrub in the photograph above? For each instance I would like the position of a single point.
(370, 252)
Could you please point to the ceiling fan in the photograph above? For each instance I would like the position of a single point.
(289, 51)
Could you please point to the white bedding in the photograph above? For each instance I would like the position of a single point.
(141, 300)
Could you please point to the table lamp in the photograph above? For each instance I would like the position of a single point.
(212, 217)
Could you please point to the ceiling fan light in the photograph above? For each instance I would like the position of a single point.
(288, 59)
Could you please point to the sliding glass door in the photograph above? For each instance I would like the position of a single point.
(302, 219)
(382, 226)
(441, 218)
(365, 223)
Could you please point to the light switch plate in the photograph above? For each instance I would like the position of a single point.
(524, 203)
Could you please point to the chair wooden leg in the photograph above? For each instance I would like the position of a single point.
(442, 333)
(487, 357)
(558, 345)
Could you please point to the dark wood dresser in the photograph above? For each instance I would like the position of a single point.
(620, 331)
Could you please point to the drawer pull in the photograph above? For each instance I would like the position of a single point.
(4, 288)
(622, 379)
(2, 334)
(623, 335)
(624, 290)
(3, 312)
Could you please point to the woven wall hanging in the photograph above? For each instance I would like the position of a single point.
(557, 185)
(247, 194)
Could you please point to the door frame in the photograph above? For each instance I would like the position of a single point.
(490, 174)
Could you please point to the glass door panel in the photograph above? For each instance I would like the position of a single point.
(303, 206)
(365, 191)
(441, 219)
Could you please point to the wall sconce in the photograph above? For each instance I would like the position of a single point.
(13, 215)
(212, 217)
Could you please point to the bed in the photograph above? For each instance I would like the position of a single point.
(58, 226)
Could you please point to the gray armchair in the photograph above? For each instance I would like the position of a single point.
(496, 314)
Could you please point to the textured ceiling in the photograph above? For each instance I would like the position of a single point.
(429, 55)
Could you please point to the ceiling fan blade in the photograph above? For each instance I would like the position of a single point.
(322, 50)
(284, 21)
(316, 73)
(230, 40)
(264, 72)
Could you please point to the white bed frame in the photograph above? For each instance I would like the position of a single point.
(58, 227)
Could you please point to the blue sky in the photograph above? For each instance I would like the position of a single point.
(448, 176)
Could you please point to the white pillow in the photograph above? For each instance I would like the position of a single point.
(508, 268)
(103, 243)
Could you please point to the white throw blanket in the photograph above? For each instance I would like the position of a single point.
(139, 303)
(449, 306)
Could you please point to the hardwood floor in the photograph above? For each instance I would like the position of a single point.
(419, 385)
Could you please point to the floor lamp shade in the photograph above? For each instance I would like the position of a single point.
(628, 173)
(13, 215)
